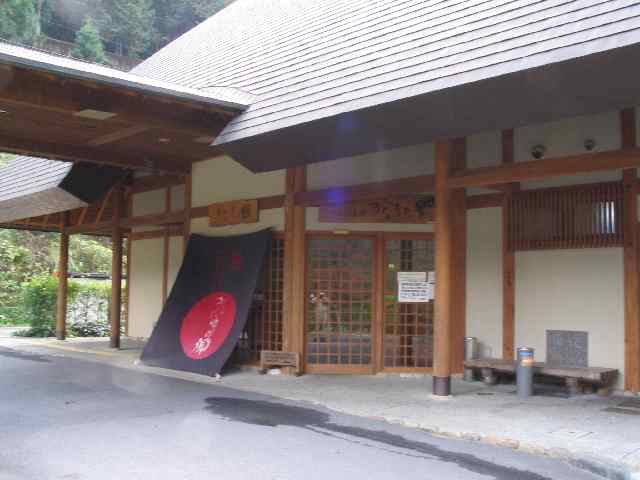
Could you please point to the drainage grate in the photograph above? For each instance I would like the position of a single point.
(630, 406)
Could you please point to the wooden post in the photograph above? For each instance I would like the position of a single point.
(459, 259)
(631, 270)
(508, 258)
(444, 261)
(63, 273)
(116, 267)
(188, 191)
(295, 264)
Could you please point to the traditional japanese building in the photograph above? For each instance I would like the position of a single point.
(488, 147)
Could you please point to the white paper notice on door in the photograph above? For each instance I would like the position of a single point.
(413, 287)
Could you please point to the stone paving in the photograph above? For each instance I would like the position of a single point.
(601, 434)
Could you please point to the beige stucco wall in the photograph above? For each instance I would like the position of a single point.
(145, 291)
(484, 279)
(176, 254)
(572, 290)
(222, 178)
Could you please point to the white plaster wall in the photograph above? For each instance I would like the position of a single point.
(572, 290)
(148, 203)
(567, 137)
(145, 291)
(373, 167)
(223, 179)
(484, 279)
(177, 198)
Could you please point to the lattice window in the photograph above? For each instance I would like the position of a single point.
(585, 216)
(408, 327)
(264, 324)
(340, 301)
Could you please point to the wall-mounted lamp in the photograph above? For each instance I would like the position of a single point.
(589, 144)
(538, 151)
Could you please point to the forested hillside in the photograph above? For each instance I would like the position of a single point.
(132, 28)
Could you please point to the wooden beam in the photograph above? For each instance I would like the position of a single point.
(328, 196)
(174, 231)
(631, 258)
(66, 152)
(70, 96)
(548, 167)
(116, 268)
(63, 282)
(443, 261)
(508, 257)
(155, 182)
(486, 200)
(458, 260)
(294, 263)
(117, 136)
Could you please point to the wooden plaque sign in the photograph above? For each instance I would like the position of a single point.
(233, 213)
(399, 209)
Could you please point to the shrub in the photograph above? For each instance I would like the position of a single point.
(99, 328)
(40, 331)
(40, 296)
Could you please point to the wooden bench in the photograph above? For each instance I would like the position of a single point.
(577, 379)
(270, 359)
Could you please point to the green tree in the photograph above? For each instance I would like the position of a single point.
(88, 44)
(20, 20)
(5, 158)
(129, 24)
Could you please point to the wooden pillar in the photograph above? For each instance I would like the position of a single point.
(295, 263)
(165, 248)
(459, 260)
(631, 270)
(444, 263)
(116, 268)
(188, 189)
(63, 281)
(508, 258)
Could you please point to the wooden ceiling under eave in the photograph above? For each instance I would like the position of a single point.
(48, 114)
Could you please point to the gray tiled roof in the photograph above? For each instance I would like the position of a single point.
(11, 54)
(309, 59)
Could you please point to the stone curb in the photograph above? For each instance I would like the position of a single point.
(601, 467)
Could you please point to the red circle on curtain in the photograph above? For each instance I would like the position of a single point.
(207, 325)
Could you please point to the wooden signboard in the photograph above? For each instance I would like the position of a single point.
(233, 213)
(398, 209)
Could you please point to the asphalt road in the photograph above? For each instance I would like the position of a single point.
(68, 419)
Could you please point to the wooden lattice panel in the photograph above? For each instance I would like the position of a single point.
(408, 327)
(340, 299)
(264, 325)
(585, 216)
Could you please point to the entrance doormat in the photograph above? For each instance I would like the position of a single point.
(206, 312)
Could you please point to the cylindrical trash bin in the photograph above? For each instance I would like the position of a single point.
(470, 353)
(524, 372)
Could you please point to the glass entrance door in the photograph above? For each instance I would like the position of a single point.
(407, 327)
(340, 304)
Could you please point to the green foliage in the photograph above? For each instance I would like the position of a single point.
(94, 328)
(20, 20)
(40, 295)
(129, 24)
(88, 44)
(89, 254)
(173, 18)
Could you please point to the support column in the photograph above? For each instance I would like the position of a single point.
(444, 263)
(459, 260)
(63, 281)
(188, 188)
(508, 258)
(295, 264)
(116, 267)
(631, 269)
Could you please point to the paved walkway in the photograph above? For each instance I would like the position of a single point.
(601, 434)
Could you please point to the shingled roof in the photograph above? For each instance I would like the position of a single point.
(31, 186)
(305, 60)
